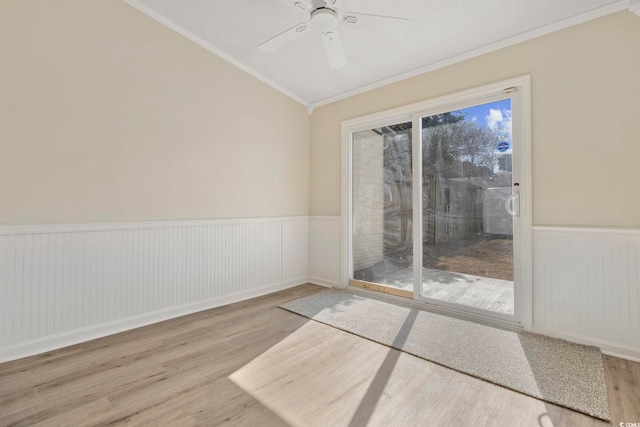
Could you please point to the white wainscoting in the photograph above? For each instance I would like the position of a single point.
(325, 250)
(586, 287)
(60, 285)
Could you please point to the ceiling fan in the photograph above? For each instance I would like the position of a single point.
(325, 20)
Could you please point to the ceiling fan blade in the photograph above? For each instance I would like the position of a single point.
(376, 23)
(303, 5)
(334, 50)
(284, 38)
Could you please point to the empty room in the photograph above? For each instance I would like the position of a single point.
(319, 213)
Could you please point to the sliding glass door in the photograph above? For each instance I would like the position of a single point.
(383, 209)
(467, 228)
(435, 205)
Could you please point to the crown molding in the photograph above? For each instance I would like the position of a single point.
(631, 5)
(211, 48)
(547, 29)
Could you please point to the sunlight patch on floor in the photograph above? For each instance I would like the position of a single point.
(321, 376)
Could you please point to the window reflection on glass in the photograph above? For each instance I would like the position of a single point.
(467, 233)
(382, 206)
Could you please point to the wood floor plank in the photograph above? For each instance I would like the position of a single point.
(233, 406)
(623, 389)
(251, 363)
(78, 415)
(16, 399)
(59, 398)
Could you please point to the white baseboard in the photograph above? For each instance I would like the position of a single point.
(77, 336)
(324, 282)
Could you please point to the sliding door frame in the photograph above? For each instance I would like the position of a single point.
(519, 90)
(350, 127)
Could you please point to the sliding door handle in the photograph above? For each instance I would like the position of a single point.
(512, 205)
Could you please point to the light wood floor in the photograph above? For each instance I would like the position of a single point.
(252, 363)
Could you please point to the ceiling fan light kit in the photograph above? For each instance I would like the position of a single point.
(326, 20)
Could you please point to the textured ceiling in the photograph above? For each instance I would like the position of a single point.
(441, 32)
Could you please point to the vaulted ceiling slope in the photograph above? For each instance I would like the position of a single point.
(440, 32)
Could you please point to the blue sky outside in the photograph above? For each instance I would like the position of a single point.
(495, 115)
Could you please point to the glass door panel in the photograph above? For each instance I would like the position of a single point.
(382, 209)
(467, 233)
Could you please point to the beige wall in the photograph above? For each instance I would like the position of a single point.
(107, 115)
(585, 113)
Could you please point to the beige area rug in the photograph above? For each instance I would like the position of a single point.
(554, 370)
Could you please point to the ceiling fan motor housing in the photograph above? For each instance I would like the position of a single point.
(324, 19)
